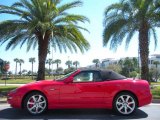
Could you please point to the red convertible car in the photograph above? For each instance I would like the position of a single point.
(83, 88)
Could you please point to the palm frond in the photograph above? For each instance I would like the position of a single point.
(113, 30)
(68, 6)
(134, 13)
(14, 41)
(129, 37)
(39, 16)
(17, 4)
(155, 37)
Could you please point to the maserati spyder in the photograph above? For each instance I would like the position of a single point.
(83, 88)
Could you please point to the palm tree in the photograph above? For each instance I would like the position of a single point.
(135, 62)
(43, 23)
(49, 62)
(123, 19)
(96, 61)
(76, 63)
(57, 61)
(20, 61)
(121, 62)
(16, 60)
(32, 60)
(128, 64)
(69, 63)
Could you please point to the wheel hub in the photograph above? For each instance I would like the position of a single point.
(125, 104)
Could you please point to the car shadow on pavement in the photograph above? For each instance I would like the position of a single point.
(11, 113)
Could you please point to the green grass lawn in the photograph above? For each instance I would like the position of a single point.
(156, 92)
(7, 88)
(16, 81)
(155, 83)
(25, 79)
(21, 80)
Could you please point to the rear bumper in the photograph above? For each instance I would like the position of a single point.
(145, 100)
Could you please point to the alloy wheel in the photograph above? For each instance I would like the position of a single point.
(36, 104)
(125, 104)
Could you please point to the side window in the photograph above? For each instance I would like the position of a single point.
(84, 77)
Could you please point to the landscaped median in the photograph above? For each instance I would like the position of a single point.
(156, 93)
(5, 89)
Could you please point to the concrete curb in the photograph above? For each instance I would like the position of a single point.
(156, 101)
(3, 102)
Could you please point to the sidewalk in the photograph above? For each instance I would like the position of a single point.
(3, 100)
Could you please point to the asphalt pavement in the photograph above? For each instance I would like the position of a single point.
(149, 112)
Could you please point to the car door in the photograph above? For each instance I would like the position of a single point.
(83, 90)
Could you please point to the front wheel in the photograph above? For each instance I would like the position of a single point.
(35, 103)
(125, 103)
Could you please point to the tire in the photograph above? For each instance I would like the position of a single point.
(35, 103)
(125, 103)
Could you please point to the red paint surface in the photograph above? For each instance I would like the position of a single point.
(66, 94)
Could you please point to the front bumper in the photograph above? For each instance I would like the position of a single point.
(14, 100)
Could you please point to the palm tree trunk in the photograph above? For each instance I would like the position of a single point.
(76, 66)
(57, 65)
(49, 69)
(16, 71)
(42, 54)
(156, 72)
(96, 65)
(32, 70)
(144, 51)
(20, 69)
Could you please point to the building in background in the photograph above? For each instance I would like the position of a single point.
(154, 60)
(104, 63)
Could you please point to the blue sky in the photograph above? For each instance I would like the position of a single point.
(94, 10)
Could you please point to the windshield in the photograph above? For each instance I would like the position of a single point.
(65, 76)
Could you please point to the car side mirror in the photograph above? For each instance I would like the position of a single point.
(68, 80)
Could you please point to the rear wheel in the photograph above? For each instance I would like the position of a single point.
(125, 103)
(35, 103)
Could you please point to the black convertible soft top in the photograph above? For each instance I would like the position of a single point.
(106, 74)
(111, 75)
